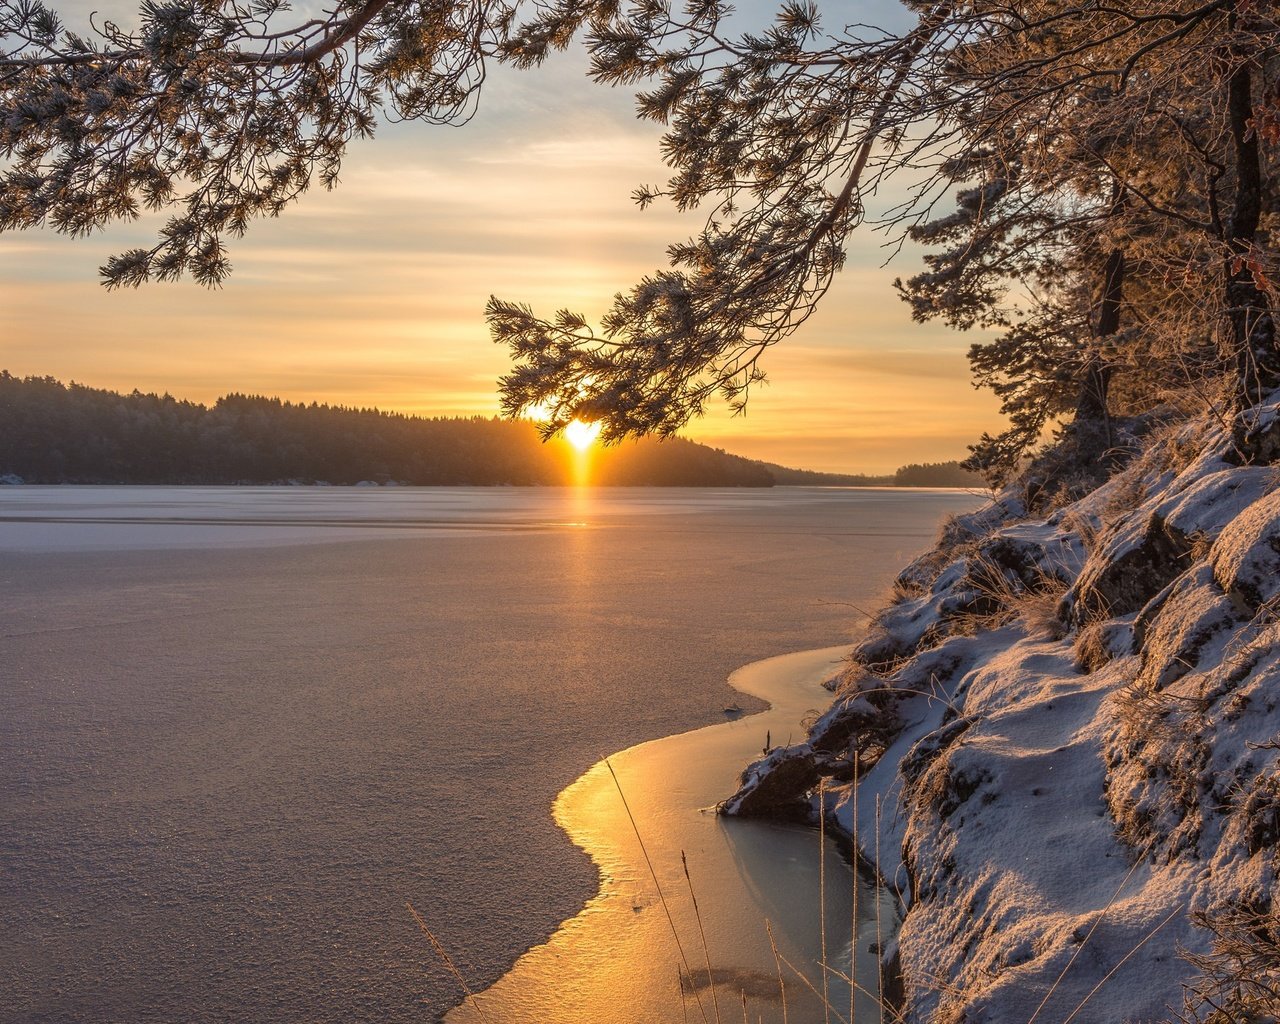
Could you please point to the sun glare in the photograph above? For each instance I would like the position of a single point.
(581, 435)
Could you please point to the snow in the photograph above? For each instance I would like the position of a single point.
(1212, 501)
(1056, 812)
(1246, 557)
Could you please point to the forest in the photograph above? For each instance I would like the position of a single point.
(54, 433)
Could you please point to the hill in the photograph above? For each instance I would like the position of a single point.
(927, 474)
(52, 432)
(55, 433)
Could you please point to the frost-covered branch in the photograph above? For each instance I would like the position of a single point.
(211, 109)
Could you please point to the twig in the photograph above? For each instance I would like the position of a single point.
(444, 956)
(1088, 935)
(857, 884)
(807, 983)
(879, 923)
(1107, 977)
(658, 885)
(777, 959)
(706, 952)
(822, 895)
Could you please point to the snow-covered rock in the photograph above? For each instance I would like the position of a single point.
(1065, 735)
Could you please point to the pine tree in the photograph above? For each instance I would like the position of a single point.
(1112, 165)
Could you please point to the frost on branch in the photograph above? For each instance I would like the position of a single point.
(219, 111)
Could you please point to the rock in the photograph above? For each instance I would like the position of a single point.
(1246, 556)
(1130, 569)
(777, 785)
(1209, 503)
(1190, 616)
(1256, 435)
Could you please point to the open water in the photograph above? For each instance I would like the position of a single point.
(241, 727)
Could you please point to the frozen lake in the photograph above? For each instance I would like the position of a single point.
(240, 727)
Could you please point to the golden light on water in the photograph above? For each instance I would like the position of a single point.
(581, 435)
(615, 962)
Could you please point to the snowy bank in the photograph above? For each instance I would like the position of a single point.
(1064, 733)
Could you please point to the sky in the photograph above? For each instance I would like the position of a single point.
(373, 294)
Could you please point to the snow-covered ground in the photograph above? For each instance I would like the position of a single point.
(1064, 734)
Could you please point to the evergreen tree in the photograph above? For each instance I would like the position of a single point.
(1112, 164)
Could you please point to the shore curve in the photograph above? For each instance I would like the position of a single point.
(616, 961)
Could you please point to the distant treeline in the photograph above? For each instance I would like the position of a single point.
(916, 474)
(52, 432)
(56, 433)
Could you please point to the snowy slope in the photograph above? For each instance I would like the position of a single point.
(1065, 734)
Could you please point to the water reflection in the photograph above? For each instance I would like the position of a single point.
(617, 960)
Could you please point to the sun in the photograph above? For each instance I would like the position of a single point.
(581, 435)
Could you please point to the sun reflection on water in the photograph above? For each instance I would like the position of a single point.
(581, 437)
(616, 961)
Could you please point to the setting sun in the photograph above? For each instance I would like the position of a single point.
(581, 435)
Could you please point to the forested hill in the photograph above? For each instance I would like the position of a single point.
(916, 474)
(68, 433)
(56, 433)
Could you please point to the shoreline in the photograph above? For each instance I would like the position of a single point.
(1059, 723)
(616, 959)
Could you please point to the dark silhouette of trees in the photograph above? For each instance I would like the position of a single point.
(56, 433)
(937, 474)
(221, 111)
(52, 432)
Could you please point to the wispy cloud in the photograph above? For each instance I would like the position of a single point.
(373, 294)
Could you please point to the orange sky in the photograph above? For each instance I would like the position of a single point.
(373, 294)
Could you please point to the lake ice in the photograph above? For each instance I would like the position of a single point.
(239, 727)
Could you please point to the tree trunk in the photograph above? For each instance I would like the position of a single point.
(1091, 407)
(1253, 331)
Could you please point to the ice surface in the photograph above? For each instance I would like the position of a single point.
(225, 766)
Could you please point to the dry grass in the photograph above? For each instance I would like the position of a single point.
(1005, 598)
(1085, 527)
(1240, 982)
(1201, 543)
(1127, 493)
(1038, 611)
(1239, 979)
(1092, 648)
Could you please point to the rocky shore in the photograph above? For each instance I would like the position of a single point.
(1059, 744)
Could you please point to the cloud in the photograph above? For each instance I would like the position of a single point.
(373, 294)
